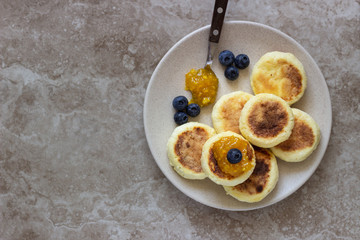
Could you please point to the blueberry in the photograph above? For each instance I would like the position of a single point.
(226, 58)
(242, 61)
(180, 118)
(193, 109)
(234, 155)
(180, 103)
(231, 73)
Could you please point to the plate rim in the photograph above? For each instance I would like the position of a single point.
(163, 59)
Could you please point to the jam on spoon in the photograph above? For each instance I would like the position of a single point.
(203, 83)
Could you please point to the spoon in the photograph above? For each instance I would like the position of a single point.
(215, 28)
(203, 83)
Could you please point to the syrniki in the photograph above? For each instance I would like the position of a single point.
(279, 73)
(261, 182)
(266, 120)
(226, 111)
(216, 165)
(184, 148)
(303, 140)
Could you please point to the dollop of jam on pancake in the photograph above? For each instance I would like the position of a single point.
(221, 148)
(302, 136)
(214, 166)
(189, 148)
(267, 119)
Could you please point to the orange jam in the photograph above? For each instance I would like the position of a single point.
(203, 85)
(220, 150)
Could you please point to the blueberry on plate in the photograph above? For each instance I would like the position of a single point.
(234, 155)
(242, 61)
(180, 118)
(231, 73)
(180, 103)
(226, 58)
(193, 109)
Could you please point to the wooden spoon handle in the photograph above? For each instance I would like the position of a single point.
(217, 20)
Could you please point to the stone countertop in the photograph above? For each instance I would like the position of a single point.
(74, 161)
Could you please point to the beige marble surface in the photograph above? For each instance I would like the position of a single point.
(74, 161)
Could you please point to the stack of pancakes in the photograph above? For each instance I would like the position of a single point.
(264, 119)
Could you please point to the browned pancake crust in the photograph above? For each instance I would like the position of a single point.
(293, 74)
(267, 119)
(214, 167)
(260, 176)
(302, 136)
(281, 74)
(232, 114)
(189, 148)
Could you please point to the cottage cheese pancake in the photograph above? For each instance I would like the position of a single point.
(184, 149)
(281, 74)
(217, 168)
(261, 182)
(266, 120)
(226, 112)
(303, 140)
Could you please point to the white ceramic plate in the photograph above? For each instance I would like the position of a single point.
(168, 81)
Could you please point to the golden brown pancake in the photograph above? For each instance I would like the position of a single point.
(303, 140)
(261, 182)
(226, 112)
(184, 149)
(266, 120)
(212, 169)
(281, 74)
